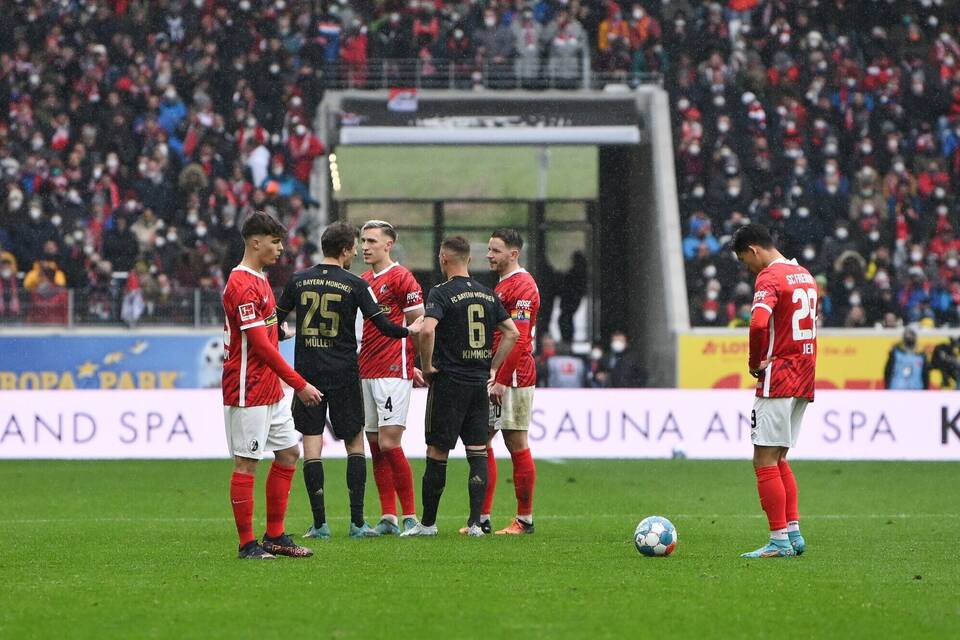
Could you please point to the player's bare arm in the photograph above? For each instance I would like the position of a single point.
(428, 336)
(510, 334)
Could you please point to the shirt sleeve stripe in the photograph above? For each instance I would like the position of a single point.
(413, 308)
(251, 325)
(762, 306)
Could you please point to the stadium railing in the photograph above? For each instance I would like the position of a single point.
(111, 306)
(379, 73)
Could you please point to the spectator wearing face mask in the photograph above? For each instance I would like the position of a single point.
(9, 288)
(528, 36)
(303, 148)
(906, 367)
(596, 374)
(567, 40)
(625, 370)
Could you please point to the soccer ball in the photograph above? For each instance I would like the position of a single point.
(655, 536)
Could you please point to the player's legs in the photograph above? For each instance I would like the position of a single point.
(390, 445)
(275, 540)
(441, 426)
(790, 482)
(310, 421)
(487, 508)
(346, 421)
(770, 433)
(382, 473)
(246, 429)
(515, 424)
(393, 403)
(474, 436)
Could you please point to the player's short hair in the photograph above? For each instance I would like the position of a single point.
(383, 225)
(751, 235)
(259, 223)
(510, 237)
(337, 237)
(458, 246)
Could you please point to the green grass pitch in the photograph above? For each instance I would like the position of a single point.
(147, 549)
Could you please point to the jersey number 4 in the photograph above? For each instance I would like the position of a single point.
(807, 300)
(328, 329)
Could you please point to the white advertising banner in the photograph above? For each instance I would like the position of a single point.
(576, 423)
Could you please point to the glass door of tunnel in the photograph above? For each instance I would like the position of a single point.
(559, 250)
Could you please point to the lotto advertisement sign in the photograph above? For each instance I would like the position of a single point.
(719, 360)
(585, 423)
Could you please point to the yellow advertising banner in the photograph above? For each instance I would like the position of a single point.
(719, 360)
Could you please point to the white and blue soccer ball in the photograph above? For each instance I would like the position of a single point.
(655, 536)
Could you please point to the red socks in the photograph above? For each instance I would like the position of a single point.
(402, 481)
(491, 482)
(773, 499)
(524, 477)
(278, 490)
(241, 497)
(790, 491)
(383, 476)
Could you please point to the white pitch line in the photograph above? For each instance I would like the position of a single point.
(610, 516)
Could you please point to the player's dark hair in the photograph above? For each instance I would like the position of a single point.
(510, 237)
(751, 235)
(383, 225)
(259, 223)
(337, 237)
(457, 245)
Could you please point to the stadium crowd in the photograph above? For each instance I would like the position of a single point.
(133, 135)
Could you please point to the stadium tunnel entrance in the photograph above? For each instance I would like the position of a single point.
(588, 179)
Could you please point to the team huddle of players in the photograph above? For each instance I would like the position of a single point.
(475, 351)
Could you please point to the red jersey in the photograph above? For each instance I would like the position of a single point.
(520, 297)
(247, 303)
(398, 292)
(784, 327)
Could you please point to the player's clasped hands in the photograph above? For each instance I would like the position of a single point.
(763, 365)
(415, 326)
(309, 395)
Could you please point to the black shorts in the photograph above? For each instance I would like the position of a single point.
(456, 410)
(346, 413)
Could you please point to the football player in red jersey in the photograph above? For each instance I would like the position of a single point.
(256, 414)
(783, 358)
(511, 386)
(387, 375)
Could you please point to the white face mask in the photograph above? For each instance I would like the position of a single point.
(160, 241)
(618, 346)
(831, 189)
(939, 193)
(596, 354)
(56, 220)
(942, 210)
(868, 209)
(712, 295)
(842, 233)
(952, 263)
(112, 163)
(192, 218)
(6, 272)
(803, 212)
(916, 256)
(733, 192)
(874, 236)
(35, 213)
(171, 237)
(855, 300)
(723, 126)
(898, 167)
(88, 249)
(698, 192)
(809, 254)
(301, 129)
(710, 271)
(490, 21)
(201, 231)
(709, 315)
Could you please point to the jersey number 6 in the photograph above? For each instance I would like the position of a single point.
(475, 326)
